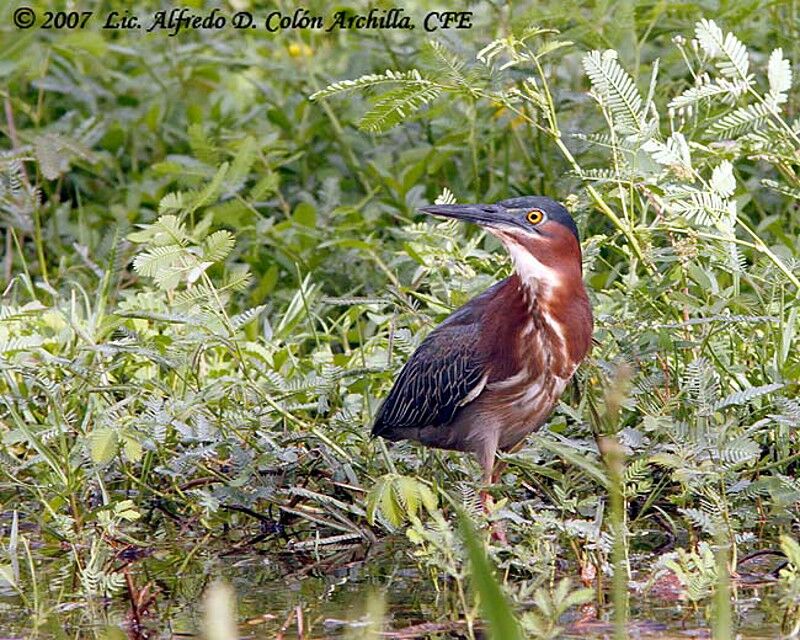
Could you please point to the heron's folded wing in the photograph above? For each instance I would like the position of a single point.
(445, 372)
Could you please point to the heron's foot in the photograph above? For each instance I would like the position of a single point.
(497, 528)
(497, 471)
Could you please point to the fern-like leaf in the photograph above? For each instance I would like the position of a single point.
(218, 245)
(746, 395)
(411, 77)
(729, 91)
(616, 88)
(241, 165)
(395, 105)
(731, 55)
(202, 146)
(750, 118)
(739, 451)
(157, 259)
(779, 74)
(702, 207)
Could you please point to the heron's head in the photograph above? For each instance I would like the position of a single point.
(538, 232)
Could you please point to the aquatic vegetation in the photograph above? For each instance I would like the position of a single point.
(213, 269)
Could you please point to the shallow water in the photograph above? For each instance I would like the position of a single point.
(330, 598)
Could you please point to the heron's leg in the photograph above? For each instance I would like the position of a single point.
(488, 464)
(497, 471)
(500, 465)
(487, 479)
(486, 458)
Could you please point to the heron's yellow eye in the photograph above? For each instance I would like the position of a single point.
(535, 216)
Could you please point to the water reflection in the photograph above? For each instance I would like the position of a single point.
(336, 596)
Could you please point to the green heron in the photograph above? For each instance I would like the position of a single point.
(492, 372)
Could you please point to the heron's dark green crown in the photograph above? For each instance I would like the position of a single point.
(555, 211)
(530, 215)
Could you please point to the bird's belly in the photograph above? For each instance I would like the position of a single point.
(523, 407)
(500, 417)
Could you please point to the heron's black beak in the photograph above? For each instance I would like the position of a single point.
(487, 215)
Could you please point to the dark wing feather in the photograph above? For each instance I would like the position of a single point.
(434, 382)
(440, 374)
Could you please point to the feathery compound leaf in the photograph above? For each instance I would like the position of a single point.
(395, 105)
(739, 451)
(55, 153)
(779, 73)
(703, 207)
(722, 180)
(451, 65)
(616, 88)
(396, 498)
(786, 190)
(445, 197)
(21, 343)
(746, 395)
(750, 118)
(734, 62)
(171, 203)
(237, 279)
(701, 380)
(673, 151)
(710, 37)
(194, 294)
(212, 190)
(243, 318)
(157, 259)
(242, 164)
(701, 519)
(412, 77)
(685, 102)
(167, 230)
(218, 245)
(201, 144)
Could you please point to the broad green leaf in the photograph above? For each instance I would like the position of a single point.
(103, 444)
(132, 448)
(500, 618)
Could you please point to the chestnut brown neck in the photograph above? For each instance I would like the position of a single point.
(555, 308)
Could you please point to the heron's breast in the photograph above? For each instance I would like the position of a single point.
(523, 403)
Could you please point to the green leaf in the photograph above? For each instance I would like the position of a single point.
(733, 60)
(616, 88)
(265, 186)
(746, 395)
(218, 245)
(157, 259)
(722, 180)
(411, 77)
(395, 106)
(132, 448)
(495, 608)
(169, 230)
(201, 144)
(779, 73)
(242, 164)
(390, 507)
(211, 191)
(375, 497)
(55, 153)
(103, 445)
(170, 203)
(305, 214)
(7, 574)
(791, 548)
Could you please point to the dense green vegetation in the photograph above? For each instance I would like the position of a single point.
(213, 268)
